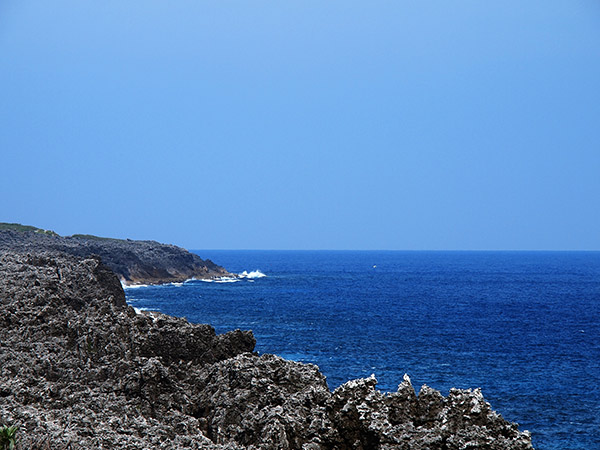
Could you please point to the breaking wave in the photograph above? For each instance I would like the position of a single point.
(227, 280)
(249, 276)
(133, 286)
(221, 280)
(253, 274)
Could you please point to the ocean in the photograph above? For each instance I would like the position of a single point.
(523, 326)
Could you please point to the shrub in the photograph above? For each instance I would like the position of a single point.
(8, 437)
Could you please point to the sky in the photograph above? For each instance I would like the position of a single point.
(399, 125)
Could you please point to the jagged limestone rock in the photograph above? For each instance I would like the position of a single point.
(80, 369)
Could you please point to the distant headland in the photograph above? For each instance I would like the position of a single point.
(134, 262)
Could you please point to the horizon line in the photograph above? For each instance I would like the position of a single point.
(394, 250)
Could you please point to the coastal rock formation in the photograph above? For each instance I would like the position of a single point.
(80, 369)
(135, 262)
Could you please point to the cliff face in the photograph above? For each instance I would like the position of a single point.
(145, 262)
(80, 369)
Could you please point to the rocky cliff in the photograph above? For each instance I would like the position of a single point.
(144, 262)
(79, 369)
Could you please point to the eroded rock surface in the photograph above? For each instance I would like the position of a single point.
(80, 369)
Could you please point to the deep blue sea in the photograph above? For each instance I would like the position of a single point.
(523, 326)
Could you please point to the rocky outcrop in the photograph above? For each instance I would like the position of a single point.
(80, 369)
(135, 262)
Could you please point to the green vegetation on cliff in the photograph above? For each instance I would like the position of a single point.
(91, 237)
(19, 227)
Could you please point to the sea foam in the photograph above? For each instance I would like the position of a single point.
(132, 286)
(221, 280)
(253, 274)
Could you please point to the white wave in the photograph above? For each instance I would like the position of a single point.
(176, 284)
(221, 280)
(227, 280)
(253, 274)
(133, 286)
(139, 310)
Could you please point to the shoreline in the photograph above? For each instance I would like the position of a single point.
(94, 374)
(227, 277)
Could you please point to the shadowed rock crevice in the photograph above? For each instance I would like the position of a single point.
(80, 369)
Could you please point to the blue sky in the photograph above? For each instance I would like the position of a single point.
(304, 124)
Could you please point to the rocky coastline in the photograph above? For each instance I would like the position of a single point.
(135, 262)
(80, 369)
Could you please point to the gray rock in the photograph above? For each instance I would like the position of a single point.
(142, 262)
(80, 369)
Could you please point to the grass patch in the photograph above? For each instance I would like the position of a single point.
(91, 237)
(8, 437)
(23, 228)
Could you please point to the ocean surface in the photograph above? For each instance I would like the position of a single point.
(523, 326)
